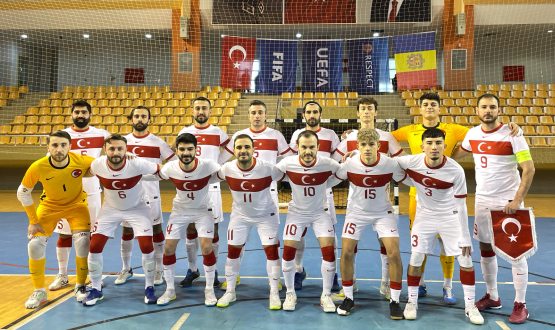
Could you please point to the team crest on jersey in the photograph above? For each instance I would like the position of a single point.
(76, 173)
(415, 61)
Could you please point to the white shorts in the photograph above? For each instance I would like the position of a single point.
(240, 227)
(155, 214)
(331, 205)
(481, 226)
(296, 223)
(216, 197)
(94, 202)
(178, 223)
(109, 218)
(427, 226)
(356, 222)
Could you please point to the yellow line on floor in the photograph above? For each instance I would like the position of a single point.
(180, 322)
(502, 325)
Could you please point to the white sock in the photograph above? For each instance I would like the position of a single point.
(63, 259)
(192, 246)
(149, 266)
(422, 283)
(273, 268)
(216, 249)
(169, 275)
(231, 270)
(395, 294)
(489, 272)
(159, 254)
(96, 264)
(210, 274)
(126, 252)
(299, 255)
(328, 272)
(385, 268)
(288, 268)
(520, 280)
(469, 295)
(413, 294)
(348, 290)
(447, 282)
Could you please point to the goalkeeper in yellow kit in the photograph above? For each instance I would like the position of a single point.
(61, 176)
(454, 133)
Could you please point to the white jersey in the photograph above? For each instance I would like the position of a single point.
(267, 144)
(88, 142)
(327, 139)
(308, 183)
(191, 186)
(154, 149)
(250, 188)
(495, 161)
(437, 187)
(368, 184)
(122, 187)
(388, 144)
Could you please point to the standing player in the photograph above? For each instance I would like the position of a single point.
(150, 147)
(308, 174)
(124, 199)
(61, 176)
(86, 140)
(268, 143)
(192, 204)
(441, 198)
(497, 156)
(369, 176)
(328, 142)
(250, 180)
(454, 133)
(209, 140)
(367, 110)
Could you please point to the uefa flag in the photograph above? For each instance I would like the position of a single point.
(415, 61)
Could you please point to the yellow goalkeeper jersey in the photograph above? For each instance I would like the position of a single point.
(454, 134)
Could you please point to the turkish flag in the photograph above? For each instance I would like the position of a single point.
(237, 59)
(513, 235)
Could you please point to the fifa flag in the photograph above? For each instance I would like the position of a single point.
(237, 59)
(415, 61)
(322, 65)
(278, 65)
(368, 64)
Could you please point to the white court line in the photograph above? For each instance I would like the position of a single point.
(180, 322)
(502, 325)
(43, 311)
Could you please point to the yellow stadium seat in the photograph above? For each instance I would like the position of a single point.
(220, 103)
(455, 95)
(543, 130)
(406, 95)
(539, 102)
(144, 96)
(478, 93)
(551, 142)
(190, 95)
(505, 87)
(224, 121)
(121, 120)
(216, 89)
(504, 95)
(443, 95)
(31, 141)
(474, 121)
(415, 111)
(447, 119)
(109, 120)
(89, 89)
(179, 112)
(539, 142)
(341, 95)
(68, 121)
(331, 103)
(23, 89)
(4, 140)
(165, 89)
(161, 103)
(112, 129)
(18, 129)
(45, 129)
(330, 95)
(45, 120)
(19, 120)
(3, 103)
(213, 120)
(541, 94)
(529, 94)
(154, 112)
(550, 102)
(100, 96)
(185, 103)
(155, 96)
(32, 111)
(177, 129)
(467, 95)
(411, 103)
(159, 121)
(526, 102)
(67, 103)
(137, 103)
(216, 112)
(343, 102)
(205, 89)
(529, 87)
(57, 120)
(173, 103)
(167, 96)
(122, 96)
(417, 95)
(504, 119)
(134, 96)
(150, 103)
(225, 96)
(461, 102)
(178, 95)
(448, 102)
(56, 103)
(143, 89)
(541, 87)
(352, 95)
(297, 95)
(173, 121)
(67, 89)
(88, 96)
(44, 103)
(522, 111)
(468, 111)
(228, 112)
(5, 129)
(31, 129)
(111, 95)
(189, 112)
(296, 103)
(418, 120)
(125, 103)
(154, 89)
(528, 130)
(4, 95)
(512, 102)
(105, 112)
(319, 95)
(516, 94)
(462, 120)
(55, 96)
(536, 111)
(213, 96)
(519, 120)
(308, 95)
(166, 112)
(532, 120)
(186, 121)
(121, 89)
(56, 111)
(114, 104)
(509, 111)
(284, 95)
(547, 120)
(517, 87)
(493, 88)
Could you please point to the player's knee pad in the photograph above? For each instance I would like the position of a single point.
(464, 261)
(63, 242)
(272, 252)
(416, 259)
(145, 243)
(82, 242)
(127, 237)
(95, 267)
(289, 253)
(233, 252)
(328, 253)
(37, 247)
(97, 243)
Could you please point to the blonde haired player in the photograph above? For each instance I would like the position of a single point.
(454, 133)
(61, 176)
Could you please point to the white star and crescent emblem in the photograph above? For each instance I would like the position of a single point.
(79, 143)
(365, 183)
(424, 181)
(114, 184)
(185, 186)
(506, 222)
(304, 176)
(236, 65)
(242, 187)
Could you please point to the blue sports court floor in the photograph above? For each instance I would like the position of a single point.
(123, 306)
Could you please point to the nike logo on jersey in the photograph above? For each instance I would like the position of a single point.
(329, 231)
(146, 230)
(116, 175)
(330, 270)
(246, 175)
(428, 172)
(521, 274)
(49, 178)
(271, 237)
(393, 230)
(208, 232)
(307, 169)
(368, 171)
(150, 271)
(188, 176)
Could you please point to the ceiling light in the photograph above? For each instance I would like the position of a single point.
(222, 35)
(549, 31)
(148, 35)
(86, 36)
(23, 36)
(299, 35)
(376, 34)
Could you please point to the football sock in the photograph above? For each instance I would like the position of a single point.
(299, 255)
(448, 266)
(126, 251)
(149, 266)
(348, 288)
(385, 264)
(192, 246)
(468, 281)
(328, 268)
(82, 270)
(169, 271)
(36, 268)
(209, 262)
(63, 248)
(289, 274)
(395, 288)
(273, 267)
(448, 283)
(158, 243)
(413, 282)
(489, 272)
(231, 271)
(96, 264)
(520, 280)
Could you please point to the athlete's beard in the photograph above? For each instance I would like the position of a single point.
(308, 157)
(81, 122)
(59, 158)
(139, 127)
(201, 120)
(186, 160)
(313, 122)
(488, 121)
(244, 162)
(116, 159)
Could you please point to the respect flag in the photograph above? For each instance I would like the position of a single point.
(322, 65)
(415, 61)
(368, 64)
(278, 65)
(237, 59)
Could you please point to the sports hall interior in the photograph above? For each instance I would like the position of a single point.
(47, 63)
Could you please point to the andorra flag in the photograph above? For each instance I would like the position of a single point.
(415, 61)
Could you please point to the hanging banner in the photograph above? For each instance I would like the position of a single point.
(237, 59)
(322, 65)
(415, 61)
(278, 66)
(316, 11)
(368, 65)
